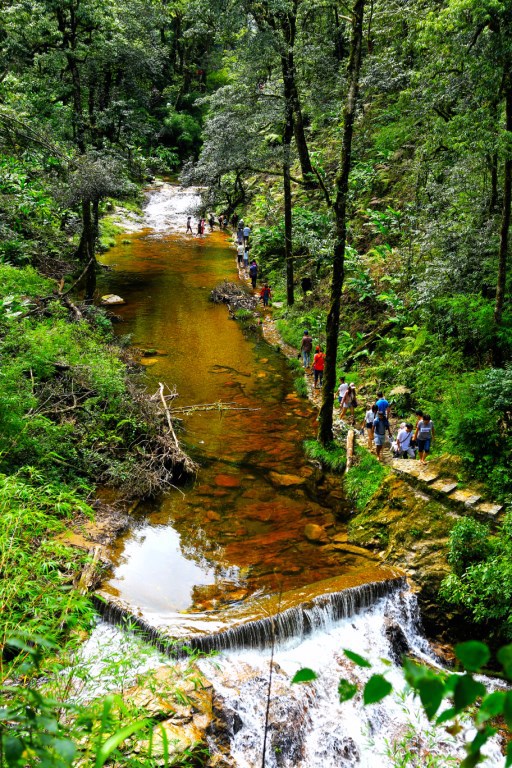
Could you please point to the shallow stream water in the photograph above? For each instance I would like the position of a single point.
(238, 531)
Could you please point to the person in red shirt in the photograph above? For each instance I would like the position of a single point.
(318, 367)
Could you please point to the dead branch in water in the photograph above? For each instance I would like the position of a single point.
(167, 414)
(220, 406)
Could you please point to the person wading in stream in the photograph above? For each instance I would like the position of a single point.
(189, 225)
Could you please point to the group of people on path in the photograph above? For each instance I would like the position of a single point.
(201, 223)
(406, 444)
(242, 253)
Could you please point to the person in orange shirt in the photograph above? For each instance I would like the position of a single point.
(318, 367)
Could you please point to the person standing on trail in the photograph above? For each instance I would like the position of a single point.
(211, 221)
(341, 390)
(349, 401)
(189, 225)
(305, 348)
(247, 232)
(253, 273)
(382, 403)
(380, 427)
(265, 294)
(403, 442)
(246, 256)
(369, 418)
(318, 367)
(424, 435)
(234, 220)
(240, 255)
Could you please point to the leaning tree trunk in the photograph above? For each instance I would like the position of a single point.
(505, 226)
(325, 434)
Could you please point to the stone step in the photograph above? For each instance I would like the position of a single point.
(489, 509)
(444, 485)
(465, 496)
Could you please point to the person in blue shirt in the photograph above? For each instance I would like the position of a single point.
(382, 404)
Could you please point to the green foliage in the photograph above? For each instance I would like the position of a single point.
(332, 456)
(464, 695)
(469, 544)
(481, 581)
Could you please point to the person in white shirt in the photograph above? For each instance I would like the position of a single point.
(403, 442)
(367, 424)
(342, 389)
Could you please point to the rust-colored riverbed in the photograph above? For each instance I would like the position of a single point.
(240, 530)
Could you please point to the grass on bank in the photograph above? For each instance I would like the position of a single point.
(332, 456)
(364, 478)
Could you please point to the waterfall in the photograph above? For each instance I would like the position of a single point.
(317, 613)
(307, 726)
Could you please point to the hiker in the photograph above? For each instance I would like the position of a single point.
(380, 427)
(341, 390)
(189, 225)
(382, 403)
(403, 442)
(318, 367)
(367, 424)
(424, 436)
(265, 294)
(199, 227)
(246, 256)
(234, 220)
(349, 401)
(240, 236)
(240, 254)
(211, 221)
(253, 273)
(247, 232)
(305, 348)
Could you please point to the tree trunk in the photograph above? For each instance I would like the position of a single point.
(289, 29)
(505, 223)
(325, 434)
(287, 189)
(86, 250)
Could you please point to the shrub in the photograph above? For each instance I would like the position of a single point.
(469, 544)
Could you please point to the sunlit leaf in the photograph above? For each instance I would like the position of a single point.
(356, 658)
(376, 689)
(304, 675)
(346, 690)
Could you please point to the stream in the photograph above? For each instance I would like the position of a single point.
(231, 557)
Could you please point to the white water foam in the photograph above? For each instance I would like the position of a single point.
(308, 727)
(168, 206)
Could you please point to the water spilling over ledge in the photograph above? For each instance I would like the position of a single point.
(262, 622)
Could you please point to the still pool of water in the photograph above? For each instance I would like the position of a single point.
(239, 530)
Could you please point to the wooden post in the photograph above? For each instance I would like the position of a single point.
(351, 436)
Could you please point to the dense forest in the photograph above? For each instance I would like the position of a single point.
(369, 146)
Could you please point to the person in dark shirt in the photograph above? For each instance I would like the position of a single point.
(305, 348)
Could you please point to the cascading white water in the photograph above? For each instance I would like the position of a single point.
(168, 206)
(307, 726)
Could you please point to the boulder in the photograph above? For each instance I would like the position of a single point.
(315, 533)
(110, 299)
